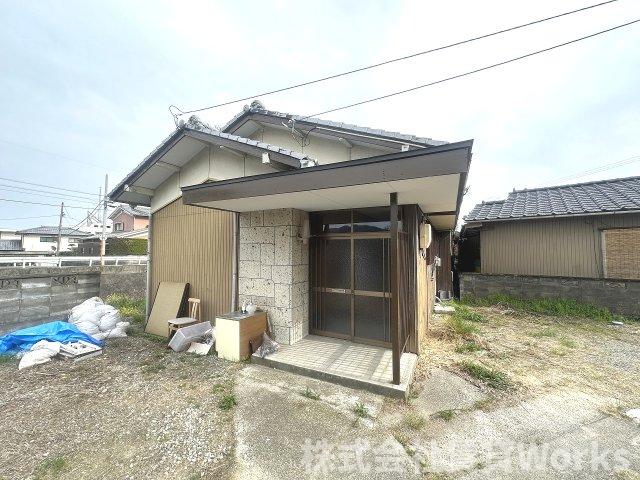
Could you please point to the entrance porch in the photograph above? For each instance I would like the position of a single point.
(346, 363)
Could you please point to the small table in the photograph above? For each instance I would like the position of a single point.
(235, 330)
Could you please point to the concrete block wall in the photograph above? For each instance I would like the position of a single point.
(273, 270)
(620, 296)
(33, 295)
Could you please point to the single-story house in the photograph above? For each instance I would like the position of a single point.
(126, 218)
(579, 241)
(44, 239)
(331, 228)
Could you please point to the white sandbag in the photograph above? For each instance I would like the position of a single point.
(89, 328)
(109, 320)
(119, 330)
(91, 316)
(78, 310)
(40, 352)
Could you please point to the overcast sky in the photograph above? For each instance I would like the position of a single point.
(85, 86)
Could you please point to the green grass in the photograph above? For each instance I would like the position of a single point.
(128, 306)
(544, 332)
(469, 347)
(559, 307)
(414, 421)
(227, 402)
(5, 359)
(51, 467)
(308, 393)
(446, 415)
(493, 378)
(361, 410)
(567, 342)
(460, 327)
(465, 314)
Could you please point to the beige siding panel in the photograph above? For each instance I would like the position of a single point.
(194, 245)
(561, 247)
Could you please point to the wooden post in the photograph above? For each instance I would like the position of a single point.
(394, 284)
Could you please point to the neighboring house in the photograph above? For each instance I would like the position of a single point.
(126, 218)
(93, 224)
(45, 239)
(581, 231)
(10, 247)
(8, 234)
(324, 225)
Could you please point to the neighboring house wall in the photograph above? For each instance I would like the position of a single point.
(140, 222)
(561, 247)
(194, 245)
(33, 243)
(324, 150)
(126, 220)
(274, 270)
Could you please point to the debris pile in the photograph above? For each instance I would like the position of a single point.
(96, 318)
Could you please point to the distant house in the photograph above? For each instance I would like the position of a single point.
(543, 241)
(133, 242)
(45, 239)
(126, 218)
(93, 224)
(10, 247)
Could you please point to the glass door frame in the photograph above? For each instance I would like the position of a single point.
(351, 291)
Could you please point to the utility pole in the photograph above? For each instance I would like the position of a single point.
(103, 246)
(60, 229)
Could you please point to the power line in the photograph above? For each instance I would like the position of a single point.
(64, 157)
(53, 195)
(27, 218)
(38, 203)
(471, 72)
(393, 60)
(38, 191)
(602, 168)
(47, 186)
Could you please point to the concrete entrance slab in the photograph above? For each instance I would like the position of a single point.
(444, 390)
(346, 363)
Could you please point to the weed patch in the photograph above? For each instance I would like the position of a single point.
(544, 332)
(493, 378)
(414, 421)
(446, 415)
(308, 393)
(568, 343)
(128, 306)
(361, 410)
(458, 327)
(560, 307)
(227, 402)
(4, 359)
(51, 467)
(469, 347)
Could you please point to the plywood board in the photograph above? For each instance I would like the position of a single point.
(169, 301)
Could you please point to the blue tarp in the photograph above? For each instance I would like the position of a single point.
(23, 339)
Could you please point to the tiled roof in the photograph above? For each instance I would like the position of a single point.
(254, 108)
(135, 211)
(605, 196)
(10, 245)
(70, 232)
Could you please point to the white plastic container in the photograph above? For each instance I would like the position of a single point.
(185, 335)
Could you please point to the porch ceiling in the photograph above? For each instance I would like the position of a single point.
(432, 177)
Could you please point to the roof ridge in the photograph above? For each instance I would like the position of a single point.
(618, 179)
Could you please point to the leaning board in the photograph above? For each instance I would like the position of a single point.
(170, 301)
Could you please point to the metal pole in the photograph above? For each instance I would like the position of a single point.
(394, 282)
(103, 243)
(60, 229)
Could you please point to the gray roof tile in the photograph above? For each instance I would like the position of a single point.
(248, 110)
(54, 231)
(604, 196)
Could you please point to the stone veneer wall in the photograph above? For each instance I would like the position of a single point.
(620, 296)
(273, 270)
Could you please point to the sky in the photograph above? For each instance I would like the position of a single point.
(85, 86)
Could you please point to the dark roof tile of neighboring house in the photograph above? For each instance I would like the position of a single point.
(10, 245)
(248, 110)
(604, 196)
(70, 232)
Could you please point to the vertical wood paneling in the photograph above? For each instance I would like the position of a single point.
(194, 245)
(565, 247)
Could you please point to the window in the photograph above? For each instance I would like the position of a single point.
(48, 239)
(118, 226)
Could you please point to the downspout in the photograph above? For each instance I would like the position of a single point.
(149, 256)
(236, 248)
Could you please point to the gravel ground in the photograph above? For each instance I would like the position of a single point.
(137, 411)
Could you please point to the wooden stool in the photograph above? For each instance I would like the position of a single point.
(192, 319)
